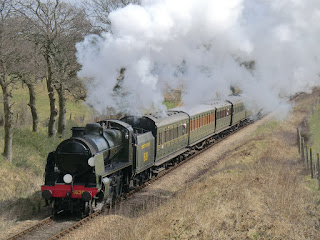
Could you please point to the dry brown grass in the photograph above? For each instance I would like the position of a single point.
(259, 191)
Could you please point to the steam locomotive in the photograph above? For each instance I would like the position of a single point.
(104, 160)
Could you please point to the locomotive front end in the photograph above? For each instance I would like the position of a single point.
(71, 182)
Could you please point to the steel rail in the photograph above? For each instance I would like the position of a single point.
(30, 229)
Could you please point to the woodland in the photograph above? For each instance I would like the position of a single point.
(37, 44)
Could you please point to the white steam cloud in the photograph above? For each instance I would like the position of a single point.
(201, 45)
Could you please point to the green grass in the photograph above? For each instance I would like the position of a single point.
(170, 104)
(20, 98)
(265, 128)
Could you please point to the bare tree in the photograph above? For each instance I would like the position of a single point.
(29, 73)
(54, 27)
(32, 74)
(10, 61)
(99, 10)
(43, 19)
(66, 66)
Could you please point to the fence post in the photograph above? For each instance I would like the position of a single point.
(300, 143)
(318, 166)
(311, 163)
(307, 155)
(302, 151)
(299, 140)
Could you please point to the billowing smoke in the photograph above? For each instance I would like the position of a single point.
(267, 48)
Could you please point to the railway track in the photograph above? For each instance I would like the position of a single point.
(30, 229)
(33, 231)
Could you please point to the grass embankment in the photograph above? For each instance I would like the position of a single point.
(258, 191)
(314, 125)
(20, 180)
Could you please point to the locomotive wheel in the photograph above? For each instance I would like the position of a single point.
(149, 174)
(88, 208)
(53, 209)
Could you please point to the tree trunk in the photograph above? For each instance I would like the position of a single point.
(52, 100)
(62, 110)
(32, 105)
(8, 118)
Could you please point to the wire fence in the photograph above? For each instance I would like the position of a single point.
(310, 158)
